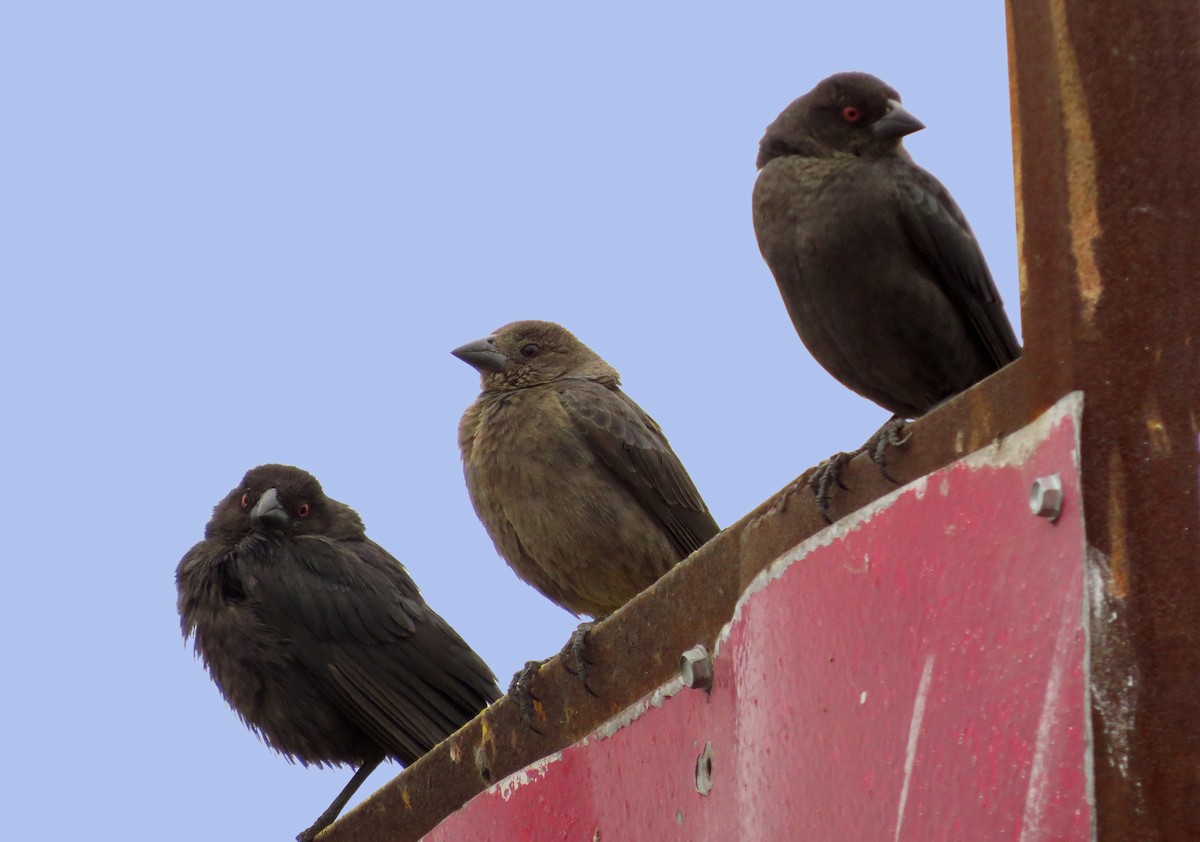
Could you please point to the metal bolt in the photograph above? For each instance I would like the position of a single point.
(704, 770)
(695, 666)
(1046, 497)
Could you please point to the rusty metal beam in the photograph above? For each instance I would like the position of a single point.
(1105, 123)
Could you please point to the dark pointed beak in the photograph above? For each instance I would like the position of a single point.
(269, 510)
(481, 355)
(896, 122)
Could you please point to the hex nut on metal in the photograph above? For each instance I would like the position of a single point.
(696, 669)
(704, 769)
(1046, 497)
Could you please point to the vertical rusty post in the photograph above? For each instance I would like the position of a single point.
(1106, 115)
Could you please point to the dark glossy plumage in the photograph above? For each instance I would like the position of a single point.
(880, 273)
(576, 485)
(316, 636)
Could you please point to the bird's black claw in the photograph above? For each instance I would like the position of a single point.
(814, 481)
(889, 435)
(520, 690)
(574, 654)
(829, 473)
(825, 477)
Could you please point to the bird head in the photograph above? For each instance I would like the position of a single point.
(848, 114)
(532, 353)
(281, 500)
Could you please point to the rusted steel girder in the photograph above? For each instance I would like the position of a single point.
(1105, 126)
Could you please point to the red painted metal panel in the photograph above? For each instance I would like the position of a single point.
(916, 671)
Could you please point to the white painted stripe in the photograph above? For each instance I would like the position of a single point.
(1048, 723)
(914, 733)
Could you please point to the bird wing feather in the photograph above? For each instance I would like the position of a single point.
(393, 665)
(940, 232)
(633, 447)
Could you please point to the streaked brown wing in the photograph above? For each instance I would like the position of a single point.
(632, 445)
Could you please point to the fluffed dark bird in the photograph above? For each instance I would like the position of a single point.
(880, 273)
(576, 485)
(317, 637)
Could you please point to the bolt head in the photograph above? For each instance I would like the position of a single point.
(695, 667)
(1046, 497)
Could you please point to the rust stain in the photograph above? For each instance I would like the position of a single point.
(1083, 203)
(484, 747)
(981, 422)
(1014, 104)
(1156, 430)
(1118, 559)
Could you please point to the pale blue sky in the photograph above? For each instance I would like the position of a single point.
(237, 233)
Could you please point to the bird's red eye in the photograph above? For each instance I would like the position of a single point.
(851, 114)
(245, 501)
(304, 510)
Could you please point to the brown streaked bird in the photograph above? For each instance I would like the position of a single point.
(317, 637)
(576, 485)
(880, 272)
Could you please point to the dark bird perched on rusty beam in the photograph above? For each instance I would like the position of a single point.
(576, 485)
(879, 270)
(317, 637)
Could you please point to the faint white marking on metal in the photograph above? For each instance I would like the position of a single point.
(534, 772)
(914, 732)
(531, 773)
(1115, 701)
(635, 711)
(865, 567)
(1048, 724)
(538, 770)
(862, 699)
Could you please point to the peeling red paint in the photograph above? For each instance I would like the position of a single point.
(916, 672)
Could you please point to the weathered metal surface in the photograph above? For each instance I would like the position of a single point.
(637, 649)
(1104, 97)
(915, 672)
